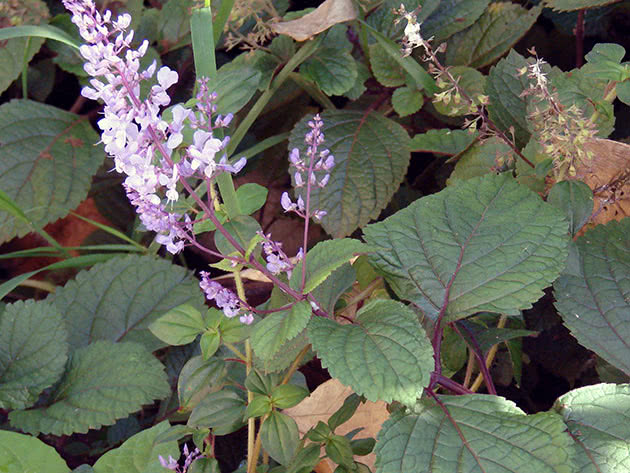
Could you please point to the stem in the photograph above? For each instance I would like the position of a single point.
(295, 365)
(43, 285)
(252, 452)
(235, 350)
(251, 466)
(469, 368)
(452, 385)
(479, 355)
(579, 39)
(491, 355)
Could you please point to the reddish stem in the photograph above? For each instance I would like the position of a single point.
(579, 39)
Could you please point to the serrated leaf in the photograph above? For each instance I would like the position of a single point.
(334, 71)
(575, 200)
(604, 62)
(492, 35)
(368, 148)
(280, 437)
(104, 382)
(480, 159)
(385, 355)
(279, 327)
(139, 454)
(594, 300)
(119, 299)
(47, 159)
(236, 84)
(323, 259)
(407, 101)
(483, 433)
(504, 87)
(21, 453)
(328, 293)
(443, 141)
(571, 5)
(385, 69)
(286, 354)
(33, 352)
(486, 244)
(14, 54)
(221, 411)
(179, 326)
(598, 418)
(452, 16)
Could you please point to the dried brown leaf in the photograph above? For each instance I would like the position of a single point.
(326, 15)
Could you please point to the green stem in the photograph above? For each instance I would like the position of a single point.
(223, 13)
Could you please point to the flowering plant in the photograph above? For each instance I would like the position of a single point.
(412, 308)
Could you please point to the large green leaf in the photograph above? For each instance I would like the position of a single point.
(334, 71)
(481, 434)
(485, 244)
(280, 437)
(21, 453)
(47, 159)
(598, 418)
(385, 68)
(235, 86)
(371, 154)
(104, 382)
(504, 87)
(492, 35)
(443, 141)
(14, 54)
(139, 454)
(33, 352)
(480, 159)
(450, 17)
(593, 297)
(385, 355)
(220, 411)
(575, 199)
(570, 5)
(119, 299)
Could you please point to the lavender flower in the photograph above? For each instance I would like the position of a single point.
(173, 465)
(133, 131)
(312, 169)
(225, 299)
(277, 260)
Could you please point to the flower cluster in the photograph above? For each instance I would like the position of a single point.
(172, 464)
(143, 144)
(411, 38)
(561, 131)
(277, 260)
(310, 170)
(225, 299)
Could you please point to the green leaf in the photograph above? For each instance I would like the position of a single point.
(119, 299)
(450, 17)
(623, 92)
(323, 259)
(104, 382)
(407, 101)
(368, 148)
(139, 454)
(277, 328)
(39, 31)
(328, 293)
(485, 244)
(339, 450)
(236, 85)
(492, 35)
(480, 159)
(442, 142)
(334, 71)
(598, 418)
(345, 412)
(21, 453)
(280, 436)
(305, 459)
(482, 433)
(385, 68)
(251, 197)
(179, 326)
(209, 344)
(593, 299)
(486, 337)
(288, 395)
(221, 411)
(258, 407)
(243, 228)
(385, 355)
(14, 55)
(575, 200)
(198, 378)
(174, 21)
(34, 352)
(504, 87)
(604, 62)
(47, 159)
(286, 354)
(571, 5)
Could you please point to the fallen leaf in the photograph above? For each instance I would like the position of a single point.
(326, 15)
(608, 175)
(326, 400)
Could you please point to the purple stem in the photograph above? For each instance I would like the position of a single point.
(479, 356)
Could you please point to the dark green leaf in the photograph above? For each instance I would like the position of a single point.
(14, 54)
(444, 141)
(384, 355)
(450, 17)
(287, 395)
(485, 244)
(575, 200)
(47, 159)
(570, 5)
(362, 447)
(258, 407)
(34, 352)
(482, 434)
(221, 411)
(345, 412)
(104, 382)
(334, 71)
(38, 31)
(198, 378)
(280, 437)
(174, 21)
(235, 86)
(119, 299)
(305, 460)
(339, 450)
(327, 294)
(385, 68)
(251, 197)
(21, 453)
(368, 148)
(593, 299)
(407, 101)
(179, 326)
(209, 344)
(243, 228)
